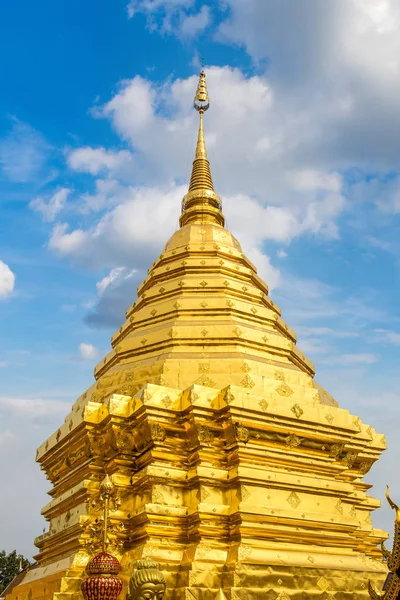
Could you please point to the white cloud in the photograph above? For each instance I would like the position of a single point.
(7, 280)
(27, 408)
(96, 160)
(115, 276)
(88, 352)
(387, 336)
(281, 253)
(194, 24)
(354, 359)
(23, 153)
(50, 209)
(177, 17)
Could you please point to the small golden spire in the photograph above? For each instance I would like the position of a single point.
(201, 203)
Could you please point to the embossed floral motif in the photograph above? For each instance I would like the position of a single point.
(247, 382)
(297, 410)
(284, 390)
(205, 434)
(293, 441)
(158, 432)
(242, 433)
(167, 401)
(293, 500)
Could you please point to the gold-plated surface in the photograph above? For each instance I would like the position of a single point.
(233, 468)
(391, 588)
(147, 582)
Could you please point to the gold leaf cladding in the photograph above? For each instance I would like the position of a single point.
(167, 401)
(203, 367)
(292, 440)
(146, 396)
(158, 433)
(206, 381)
(336, 450)
(123, 440)
(284, 390)
(279, 376)
(229, 397)
(204, 493)
(323, 584)
(192, 578)
(329, 417)
(244, 552)
(263, 404)
(357, 423)
(247, 382)
(349, 459)
(283, 596)
(205, 434)
(242, 433)
(156, 495)
(245, 367)
(297, 410)
(244, 493)
(172, 333)
(365, 466)
(202, 550)
(339, 506)
(293, 500)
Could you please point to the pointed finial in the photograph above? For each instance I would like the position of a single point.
(201, 99)
(201, 203)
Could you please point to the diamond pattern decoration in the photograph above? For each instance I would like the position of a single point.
(203, 283)
(323, 584)
(339, 506)
(297, 410)
(263, 404)
(247, 382)
(284, 390)
(293, 500)
(329, 417)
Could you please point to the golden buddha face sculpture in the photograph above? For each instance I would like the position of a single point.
(147, 581)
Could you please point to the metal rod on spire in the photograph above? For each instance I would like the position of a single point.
(201, 203)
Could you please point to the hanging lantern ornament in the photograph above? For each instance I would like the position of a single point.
(103, 582)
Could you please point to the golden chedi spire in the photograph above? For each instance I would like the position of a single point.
(233, 469)
(201, 204)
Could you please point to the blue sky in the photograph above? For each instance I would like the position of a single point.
(97, 135)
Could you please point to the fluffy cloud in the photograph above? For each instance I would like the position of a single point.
(50, 209)
(88, 352)
(178, 17)
(96, 160)
(23, 153)
(7, 280)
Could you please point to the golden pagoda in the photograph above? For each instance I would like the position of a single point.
(234, 469)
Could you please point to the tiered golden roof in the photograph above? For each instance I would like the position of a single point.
(236, 471)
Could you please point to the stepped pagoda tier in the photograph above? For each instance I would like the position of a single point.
(234, 470)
